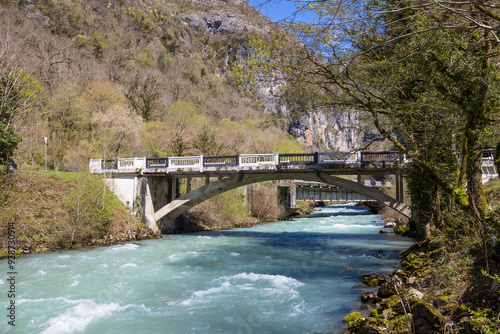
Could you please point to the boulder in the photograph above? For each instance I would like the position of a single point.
(370, 297)
(427, 319)
(391, 287)
(414, 295)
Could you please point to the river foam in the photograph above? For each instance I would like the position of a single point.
(294, 277)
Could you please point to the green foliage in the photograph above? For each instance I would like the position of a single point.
(90, 208)
(137, 206)
(232, 205)
(497, 157)
(21, 94)
(206, 142)
(8, 142)
(100, 43)
(484, 321)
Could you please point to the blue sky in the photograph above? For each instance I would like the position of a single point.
(278, 10)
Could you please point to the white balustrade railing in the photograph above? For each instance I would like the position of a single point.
(258, 159)
(95, 166)
(131, 163)
(183, 163)
(249, 161)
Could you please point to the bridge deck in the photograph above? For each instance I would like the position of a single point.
(344, 162)
(347, 163)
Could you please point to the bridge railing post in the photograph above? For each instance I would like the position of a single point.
(201, 163)
(276, 159)
(316, 158)
(95, 166)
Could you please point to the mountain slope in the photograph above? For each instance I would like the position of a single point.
(135, 78)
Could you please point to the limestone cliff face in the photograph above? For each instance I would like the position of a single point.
(316, 130)
(333, 131)
(227, 17)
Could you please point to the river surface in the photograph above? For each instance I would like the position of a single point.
(300, 276)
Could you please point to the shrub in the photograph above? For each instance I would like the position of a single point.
(90, 207)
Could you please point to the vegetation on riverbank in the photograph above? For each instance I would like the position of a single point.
(55, 210)
(60, 210)
(450, 282)
(241, 207)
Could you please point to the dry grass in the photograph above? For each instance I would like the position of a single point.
(36, 203)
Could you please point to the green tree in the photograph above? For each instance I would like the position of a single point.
(424, 76)
(20, 94)
(206, 142)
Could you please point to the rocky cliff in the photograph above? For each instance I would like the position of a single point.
(333, 131)
(316, 130)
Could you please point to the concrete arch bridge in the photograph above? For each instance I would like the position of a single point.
(154, 181)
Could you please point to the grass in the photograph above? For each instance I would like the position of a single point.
(61, 175)
(492, 186)
(40, 204)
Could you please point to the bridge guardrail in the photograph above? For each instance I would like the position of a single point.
(193, 163)
(220, 161)
(338, 157)
(489, 154)
(109, 164)
(95, 165)
(298, 159)
(198, 163)
(157, 162)
(381, 157)
(257, 159)
(131, 164)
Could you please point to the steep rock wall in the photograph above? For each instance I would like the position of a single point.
(319, 131)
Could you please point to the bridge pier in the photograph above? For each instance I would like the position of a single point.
(173, 191)
(158, 191)
(188, 184)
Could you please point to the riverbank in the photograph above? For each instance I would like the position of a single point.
(52, 211)
(450, 284)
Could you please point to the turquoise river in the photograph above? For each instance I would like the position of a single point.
(300, 276)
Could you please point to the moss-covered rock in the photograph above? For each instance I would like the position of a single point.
(373, 280)
(352, 316)
(390, 302)
(401, 324)
(352, 319)
(390, 287)
(426, 318)
(441, 301)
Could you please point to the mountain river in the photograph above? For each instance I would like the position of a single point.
(300, 276)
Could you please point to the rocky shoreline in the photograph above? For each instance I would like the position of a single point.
(403, 302)
(109, 240)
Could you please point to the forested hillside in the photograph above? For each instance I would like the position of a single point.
(128, 78)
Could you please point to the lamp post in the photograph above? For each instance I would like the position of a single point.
(45, 138)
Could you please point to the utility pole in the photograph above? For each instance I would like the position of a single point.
(45, 138)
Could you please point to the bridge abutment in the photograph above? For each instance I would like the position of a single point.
(163, 189)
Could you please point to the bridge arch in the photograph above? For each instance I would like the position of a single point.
(180, 205)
